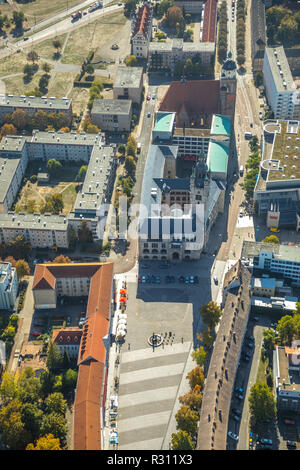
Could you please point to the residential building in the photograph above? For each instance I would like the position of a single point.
(128, 84)
(286, 371)
(68, 341)
(48, 230)
(281, 91)
(8, 285)
(277, 189)
(32, 104)
(192, 7)
(141, 31)
(112, 115)
(163, 56)
(281, 261)
(221, 375)
(209, 21)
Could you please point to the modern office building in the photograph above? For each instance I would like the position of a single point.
(277, 189)
(8, 285)
(32, 104)
(128, 84)
(141, 31)
(112, 115)
(281, 91)
(281, 261)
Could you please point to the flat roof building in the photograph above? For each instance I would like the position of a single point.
(112, 115)
(128, 84)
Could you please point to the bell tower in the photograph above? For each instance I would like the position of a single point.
(228, 86)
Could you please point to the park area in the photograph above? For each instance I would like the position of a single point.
(32, 196)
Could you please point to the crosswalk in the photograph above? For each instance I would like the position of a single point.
(149, 382)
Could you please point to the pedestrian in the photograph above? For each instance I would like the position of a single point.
(182, 340)
(128, 346)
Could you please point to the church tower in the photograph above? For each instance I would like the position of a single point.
(228, 87)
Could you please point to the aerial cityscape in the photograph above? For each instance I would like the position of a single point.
(149, 225)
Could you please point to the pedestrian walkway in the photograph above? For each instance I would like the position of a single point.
(149, 383)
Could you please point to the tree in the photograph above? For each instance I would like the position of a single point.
(53, 166)
(196, 377)
(211, 314)
(182, 440)
(46, 67)
(89, 69)
(92, 129)
(69, 380)
(31, 416)
(131, 61)
(56, 44)
(192, 399)
(82, 172)
(287, 30)
(22, 268)
(199, 356)
(47, 380)
(13, 429)
(258, 79)
(19, 119)
(130, 164)
(286, 329)
(173, 16)
(187, 420)
(19, 247)
(53, 359)
(28, 386)
(40, 120)
(269, 340)
(84, 233)
(8, 129)
(18, 19)
(55, 423)
(47, 442)
(272, 239)
(43, 82)
(62, 259)
(8, 388)
(131, 146)
(262, 403)
(55, 403)
(32, 56)
(129, 7)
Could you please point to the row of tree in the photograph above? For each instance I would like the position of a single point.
(222, 32)
(252, 166)
(240, 31)
(19, 120)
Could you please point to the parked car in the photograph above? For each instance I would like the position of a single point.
(148, 98)
(187, 280)
(291, 445)
(157, 280)
(192, 280)
(215, 280)
(68, 321)
(289, 421)
(140, 279)
(256, 319)
(233, 436)
(266, 441)
(236, 417)
(148, 115)
(237, 411)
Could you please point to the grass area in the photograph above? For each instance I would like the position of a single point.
(12, 64)
(61, 84)
(286, 144)
(45, 48)
(80, 97)
(16, 85)
(92, 36)
(69, 195)
(39, 10)
(261, 373)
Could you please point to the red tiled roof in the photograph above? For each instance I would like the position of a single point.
(45, 274)
(192, 101)
(67, 337)
(209, 21)
(141, 24)
(87, 406)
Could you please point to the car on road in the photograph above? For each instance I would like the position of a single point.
(144, 279)
(255, 319)
(260, 115)
(25, 39)
(148, 115)
(236, 417)
(153, 97)
(68, 320)
(148, 98)
(250, 338)
(120, 4)
(291, 445)
(187, 280)
(192, 280)
(215, 280)
(233, 436)
(266, 441)
(236, 411)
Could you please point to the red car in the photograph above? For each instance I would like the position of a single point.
(289, 421)
(148, 98)
(36, 333)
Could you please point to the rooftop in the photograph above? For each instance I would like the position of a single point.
(21, 221)
(217, 157)
(8, 167)
(280, 69)
(287, 380)
(209, 21)
(46, 102)
(164, 122)
(282, 252)
(112, 106)
(179, 44)
(128, 77)
(221, 125)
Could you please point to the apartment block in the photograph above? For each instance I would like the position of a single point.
(128, 84)
(8, 285)
(281, 91)
(112, 115)
(141, 31)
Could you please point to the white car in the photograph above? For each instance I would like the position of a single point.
(233, 436)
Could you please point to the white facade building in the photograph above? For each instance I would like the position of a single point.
(141, 31)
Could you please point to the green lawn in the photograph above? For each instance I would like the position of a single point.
(69, 197)
(46, 50)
